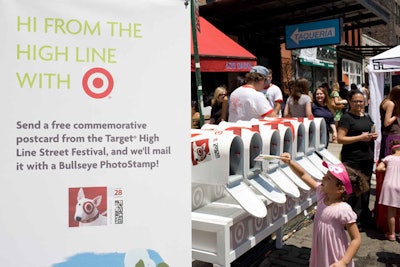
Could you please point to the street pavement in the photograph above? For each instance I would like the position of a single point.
(375, 250)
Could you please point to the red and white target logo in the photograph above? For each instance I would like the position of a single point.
(97, 82)
(88, 207)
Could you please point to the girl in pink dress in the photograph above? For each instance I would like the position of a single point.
(330, 245)
(390, 194)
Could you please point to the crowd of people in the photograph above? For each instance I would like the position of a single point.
(343, 195)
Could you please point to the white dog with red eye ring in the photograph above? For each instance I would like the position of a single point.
(86, 212)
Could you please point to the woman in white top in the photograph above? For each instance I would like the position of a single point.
(299, 102)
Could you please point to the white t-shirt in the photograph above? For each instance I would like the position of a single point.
(273, 94)
(245, 103)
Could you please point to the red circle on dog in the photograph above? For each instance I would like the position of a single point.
(88, 207)
(97, 82)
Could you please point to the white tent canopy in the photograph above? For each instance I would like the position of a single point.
(388, 61)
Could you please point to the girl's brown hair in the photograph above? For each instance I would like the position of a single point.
(301, 86)
(359, 181)
(394, 95)
(394, 149)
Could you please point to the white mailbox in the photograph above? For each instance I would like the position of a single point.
(301, 129)
(311, 139)
(222, 231)
(321, 142)
(298, 133)
(253, 146)
(289, 185)
(269, 133)
(219, 160)
(320, 127)
(216, 160)
(314, 136)
(308, 149)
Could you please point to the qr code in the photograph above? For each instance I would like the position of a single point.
(216, 150)
(119, 211)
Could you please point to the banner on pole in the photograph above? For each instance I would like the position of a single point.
(92, 172)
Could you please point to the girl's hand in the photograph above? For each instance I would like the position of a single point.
(285, 157)
(338, 264)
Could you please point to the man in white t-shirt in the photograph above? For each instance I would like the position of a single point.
(247, 101)
(273, 94)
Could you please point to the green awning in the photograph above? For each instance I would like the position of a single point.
(317, 63)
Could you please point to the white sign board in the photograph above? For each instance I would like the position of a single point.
(95, 133)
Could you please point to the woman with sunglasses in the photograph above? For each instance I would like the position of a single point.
(357, 134)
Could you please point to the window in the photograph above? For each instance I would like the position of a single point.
(351, 72)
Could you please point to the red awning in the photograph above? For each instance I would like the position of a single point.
(219, 53)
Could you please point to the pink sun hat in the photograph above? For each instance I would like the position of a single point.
(339, 171)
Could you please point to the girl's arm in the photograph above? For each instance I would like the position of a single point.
(354, 245)
(224, 113)
(337, 101)
(286, 110)
(308, 109)
(334, 133)
(298, 170)
(277, 108)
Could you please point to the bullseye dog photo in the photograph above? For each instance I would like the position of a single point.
(87, 206)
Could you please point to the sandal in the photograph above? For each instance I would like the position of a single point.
(390, 237)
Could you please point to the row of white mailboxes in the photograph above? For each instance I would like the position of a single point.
(228, 155)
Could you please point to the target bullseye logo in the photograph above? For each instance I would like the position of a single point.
(97, 83)
(88, 207)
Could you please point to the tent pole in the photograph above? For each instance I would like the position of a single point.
(197, 61)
